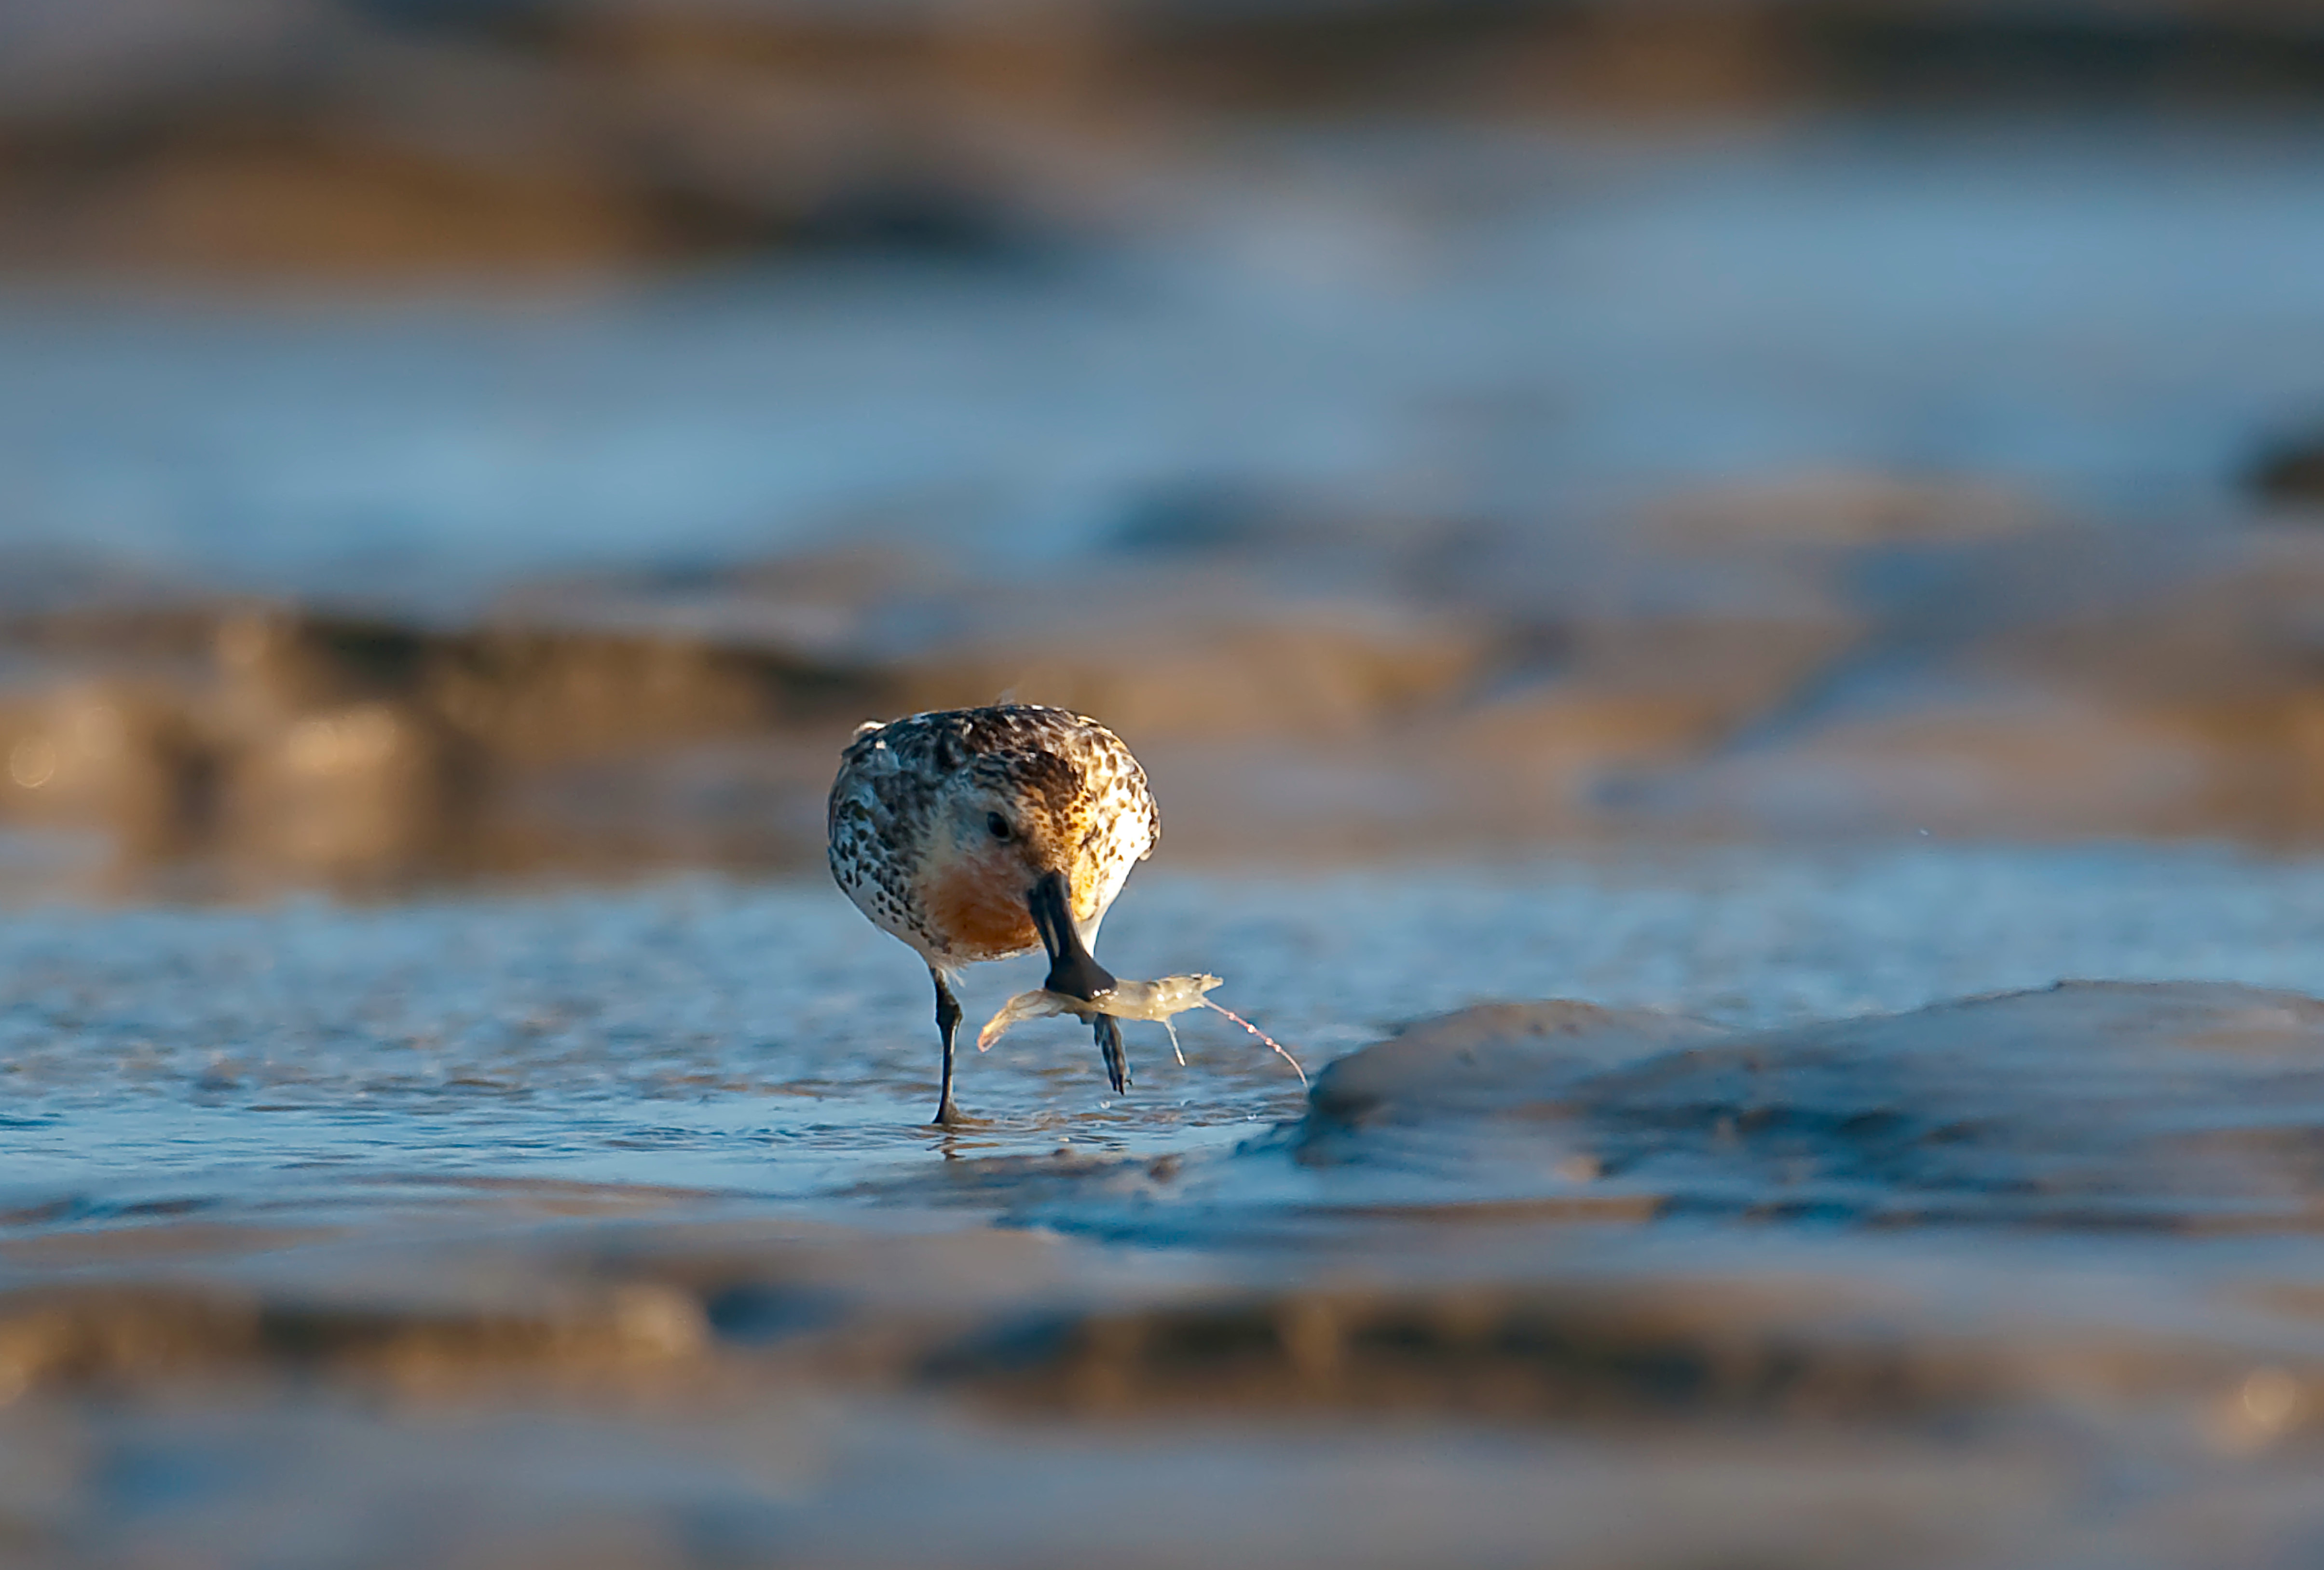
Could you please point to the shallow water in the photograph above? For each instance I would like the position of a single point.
(603, 1226)
(2110, 314)
(612, 1213)
(761, 1040)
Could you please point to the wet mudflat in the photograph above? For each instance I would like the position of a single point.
(1454, 493)
(601, 1227)
(2107, 314)
(1859, 476)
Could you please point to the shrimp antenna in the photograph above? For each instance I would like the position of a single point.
(1262, 1035)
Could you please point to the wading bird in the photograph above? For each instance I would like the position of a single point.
(974, 834)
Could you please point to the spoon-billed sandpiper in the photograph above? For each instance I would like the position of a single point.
(974, 834)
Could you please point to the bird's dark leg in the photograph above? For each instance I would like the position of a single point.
(948, 1026)
(1117, 1061)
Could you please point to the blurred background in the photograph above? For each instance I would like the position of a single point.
(1732, 516)
(455, 437)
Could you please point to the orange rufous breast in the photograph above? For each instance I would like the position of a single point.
(980, 913)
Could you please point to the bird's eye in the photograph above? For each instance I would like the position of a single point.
(996, 824)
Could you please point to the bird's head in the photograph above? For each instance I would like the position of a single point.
(1019, 852)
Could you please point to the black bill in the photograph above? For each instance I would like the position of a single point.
(1073, 970)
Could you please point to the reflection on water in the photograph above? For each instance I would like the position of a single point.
(752, 1038)
(489, 1200)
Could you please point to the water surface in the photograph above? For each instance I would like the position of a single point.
(761, 1039)
(2109, 315)
(505, 1228)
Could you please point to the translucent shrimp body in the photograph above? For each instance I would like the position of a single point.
(1156, 1000)
(1129, 1000)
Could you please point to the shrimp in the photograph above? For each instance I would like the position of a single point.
(1155, 1000)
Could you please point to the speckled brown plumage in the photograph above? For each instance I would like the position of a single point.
(909, 837)
(941, 824)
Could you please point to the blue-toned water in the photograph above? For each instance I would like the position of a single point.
(604, 1225)
(2112, 317)
(576, 1225)
(763, 1039)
